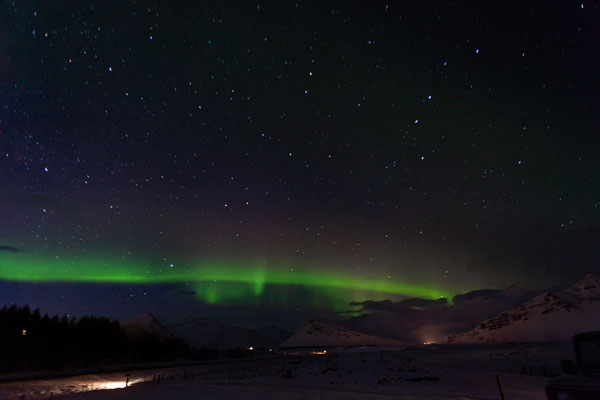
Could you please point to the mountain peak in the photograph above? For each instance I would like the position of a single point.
(146, 316)
(516, 291)
(591, 277)
(146, 324)
(315, 333)
(588, 287)
(548, 317)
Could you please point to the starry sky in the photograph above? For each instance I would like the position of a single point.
(268, 162)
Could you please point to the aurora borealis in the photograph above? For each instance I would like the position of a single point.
(213, 282)
(271, 162)
(23, 268)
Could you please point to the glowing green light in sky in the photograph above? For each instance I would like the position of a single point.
(214, 282)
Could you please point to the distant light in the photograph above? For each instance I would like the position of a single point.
(250, 348)
(110, 68)
(429, 97)
(24, 332)
(319, 352)
(416, 121)
(150, 37)
(477, 51)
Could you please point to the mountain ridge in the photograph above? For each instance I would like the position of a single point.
(548, 317)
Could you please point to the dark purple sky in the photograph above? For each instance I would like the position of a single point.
(454, 145)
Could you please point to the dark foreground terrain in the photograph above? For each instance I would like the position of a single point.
(452, 372)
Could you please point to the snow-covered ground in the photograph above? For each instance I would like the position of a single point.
(449, 372)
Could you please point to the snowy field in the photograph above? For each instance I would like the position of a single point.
(455, 372)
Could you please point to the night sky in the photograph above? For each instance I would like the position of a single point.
(268, 162)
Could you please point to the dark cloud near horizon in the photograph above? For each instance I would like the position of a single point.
(372, 305)
(11, 249)
(460, 298)
(414, 303)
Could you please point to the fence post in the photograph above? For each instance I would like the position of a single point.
(499, 382)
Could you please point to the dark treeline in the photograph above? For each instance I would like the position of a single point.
(30, 341)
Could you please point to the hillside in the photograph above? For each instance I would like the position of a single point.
(548, 317)
(435, 322)
(146, 324)
(203, 332)
(318, 334)
(470, 309)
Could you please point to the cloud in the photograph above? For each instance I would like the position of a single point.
(373, 305)
(420, 303)
(10, 249)
(413, 303)
(461, 298)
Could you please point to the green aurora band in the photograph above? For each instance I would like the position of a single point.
(215, 282)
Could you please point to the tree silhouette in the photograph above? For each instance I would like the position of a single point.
(32, 342)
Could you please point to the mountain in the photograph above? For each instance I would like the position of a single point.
(274, 335)
(470, 309)
(395, 323)
(203, 332)
(146, 324)
(435, 322)
(326, 334)
(548, 317)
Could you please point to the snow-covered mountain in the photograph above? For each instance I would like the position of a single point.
(398, 324)
(320, 333)
(203, 332)
(470, 309)
(435, 322)
(146, 324)
(548, 317)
